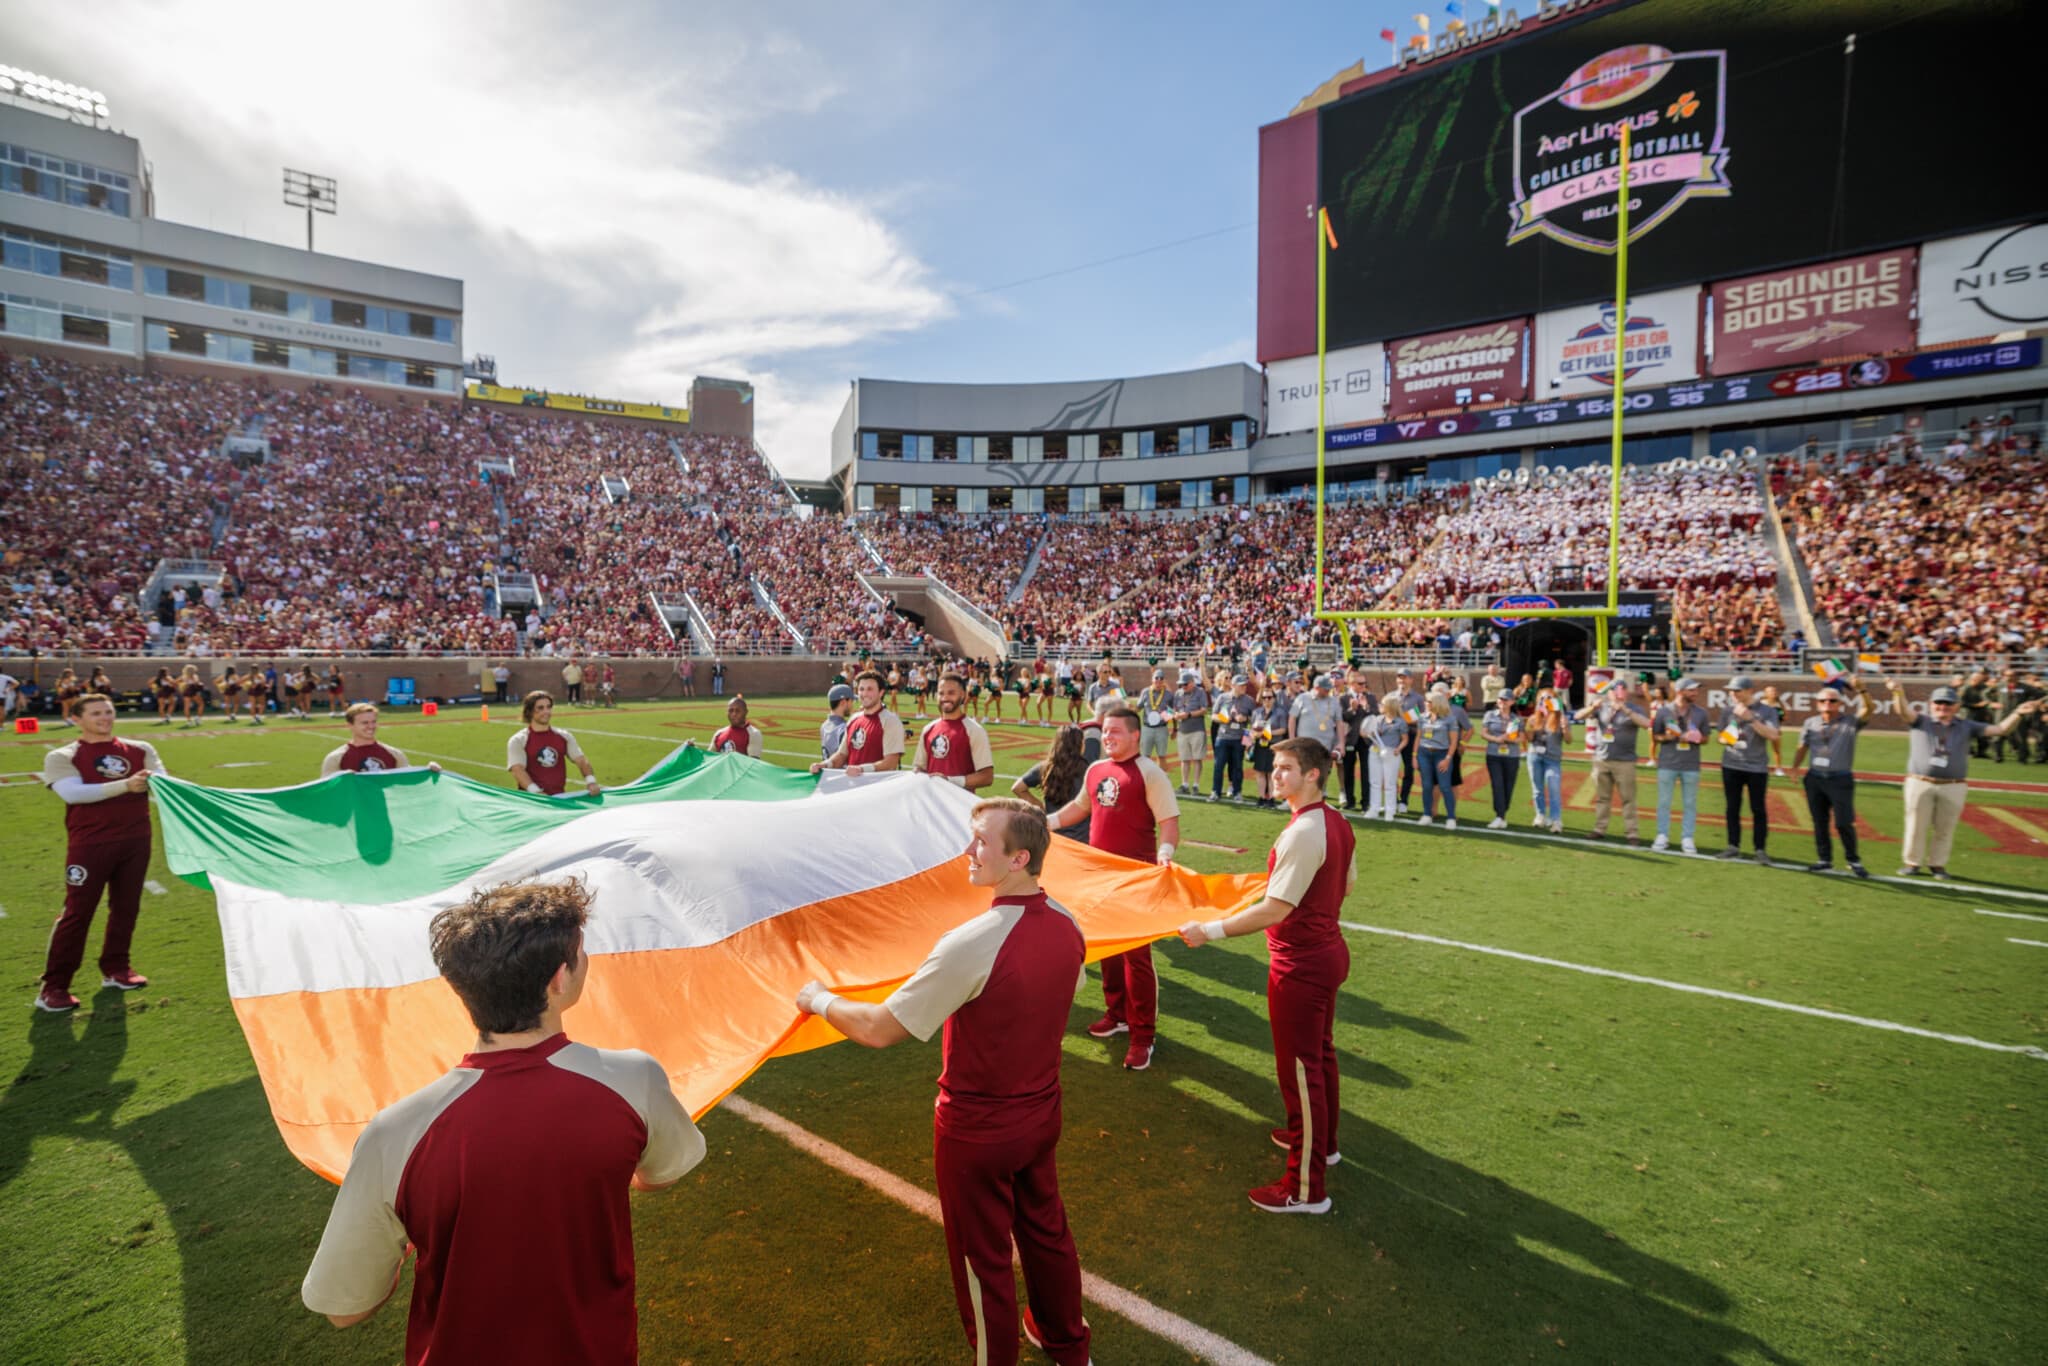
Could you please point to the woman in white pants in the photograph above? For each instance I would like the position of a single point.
(1387, 732)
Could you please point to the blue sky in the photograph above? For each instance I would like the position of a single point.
(795, 193)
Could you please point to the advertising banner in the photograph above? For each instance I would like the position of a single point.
(1575, 346)
(1481, 364)
(1354, 390)
(1983, 284)
(1860, 306)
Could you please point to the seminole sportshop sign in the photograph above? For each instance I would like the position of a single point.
(1464, 365)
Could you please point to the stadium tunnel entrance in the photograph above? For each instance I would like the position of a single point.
(1538, 645)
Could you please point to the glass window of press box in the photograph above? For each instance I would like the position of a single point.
(61, 258)
(169, 282)
(200, 343)
(71, 324)
(1227, 434)
(75, 183)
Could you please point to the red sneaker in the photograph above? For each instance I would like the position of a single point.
(1279, 1199)
(1139, 1057)
(56, 1000)
(1031, 1333)
(127, 979)
(1106, 1026)
(1280, 1141)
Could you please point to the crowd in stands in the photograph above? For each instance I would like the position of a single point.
(374, 525)
(1942, 554)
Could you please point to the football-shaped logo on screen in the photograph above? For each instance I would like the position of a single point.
(1614, 76)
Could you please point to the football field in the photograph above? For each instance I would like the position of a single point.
(1599, 1104)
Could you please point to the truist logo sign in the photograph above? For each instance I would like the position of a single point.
(1568, 145)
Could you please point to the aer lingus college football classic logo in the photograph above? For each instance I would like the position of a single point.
(1568, 145)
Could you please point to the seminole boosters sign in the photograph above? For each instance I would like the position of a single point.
(1568, 145)
(1859, 307)
(1464, 366)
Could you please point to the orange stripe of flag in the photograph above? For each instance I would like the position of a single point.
(1328, 230)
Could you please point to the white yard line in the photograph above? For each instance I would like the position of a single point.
(2025, 1050)
(153, 887)
(2030, 943)
(1191, 1338)
(2014, 915)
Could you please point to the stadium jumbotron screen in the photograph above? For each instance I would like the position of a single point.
(1484, 189)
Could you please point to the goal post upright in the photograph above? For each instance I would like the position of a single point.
(1600, 616)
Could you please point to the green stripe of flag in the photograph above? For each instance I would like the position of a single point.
(368, 840)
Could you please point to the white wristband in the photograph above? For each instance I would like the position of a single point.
(958, 780)
(1166, 853)
(822, 1002)
(533, 787)
(1213, 929)
(861, 770)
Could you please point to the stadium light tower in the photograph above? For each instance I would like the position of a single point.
(313, 193)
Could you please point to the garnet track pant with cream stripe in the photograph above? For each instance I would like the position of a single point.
(1303, 1008)
(988, 1193)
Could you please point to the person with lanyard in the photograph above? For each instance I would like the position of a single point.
(1318, 716)
(1358, 708)
(103, 782)
(839, 703)
(364, 753)
(1190, 716)
(1545, 734)
(1830, 781)
(539, 756)
(1410, 703)
(1617, 714)
(1437, 740)
(1129, 804)
(1454, 688)
(1233, 714)
(1153, 708)
(1058, 776)
(1770, 698)
(874, 737)
(1000, 986)
(1264, 714)
(1525, 707)
(1681, 728)
(954, 747)
(1309, 871)
(1502, 731)
(739, 736)
(1939, 745)
(1388, 735)
(1748, 727)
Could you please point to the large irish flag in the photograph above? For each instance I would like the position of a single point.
(721, 884)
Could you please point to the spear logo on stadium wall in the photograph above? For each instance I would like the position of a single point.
(1568, 145)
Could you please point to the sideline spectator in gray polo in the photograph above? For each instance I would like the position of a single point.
(1236, 711)
(1830, 782)
(1747, 728)
(841, 700)
(1617, 714)
(1410, 703)
(1681, 727)
(1318, 715)
(1155, 732)
(1937, 773)
(1191, 729)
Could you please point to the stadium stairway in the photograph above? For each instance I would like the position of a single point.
(1016, 593)
(1795, 582)
(1404, 587)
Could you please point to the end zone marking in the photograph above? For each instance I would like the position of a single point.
(1191, 1338)
(2025, 1050)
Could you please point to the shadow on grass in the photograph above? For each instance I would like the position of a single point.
(1484, 1271)
(1246, 973)
(244, 1218)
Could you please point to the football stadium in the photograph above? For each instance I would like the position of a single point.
(1537, 769)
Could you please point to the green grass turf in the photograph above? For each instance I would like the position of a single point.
(1538, 1163)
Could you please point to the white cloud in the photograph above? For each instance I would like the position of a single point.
(584, 171)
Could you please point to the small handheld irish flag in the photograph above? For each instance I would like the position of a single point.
(1869, 664)
(1830, 670)
(1411, 715)
(1730, 735)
